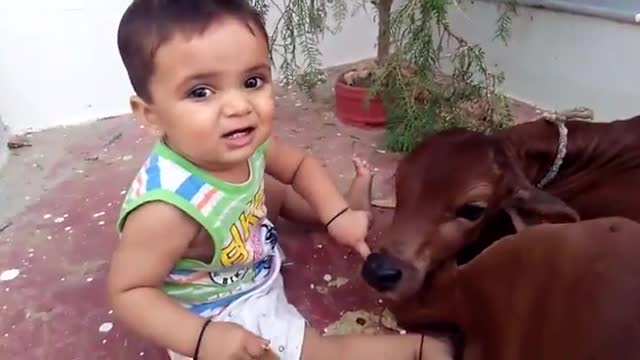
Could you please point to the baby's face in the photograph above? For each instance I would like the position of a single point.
(212, 94)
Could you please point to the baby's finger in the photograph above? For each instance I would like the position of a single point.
(363, 249)
(257, 347)
(269, 355)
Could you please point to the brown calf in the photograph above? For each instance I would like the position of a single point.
(552, 292)
(459, 191)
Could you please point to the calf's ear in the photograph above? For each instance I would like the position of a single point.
(526, 204)
(532, 206)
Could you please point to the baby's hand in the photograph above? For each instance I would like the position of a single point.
(351, 229)
(230, 341)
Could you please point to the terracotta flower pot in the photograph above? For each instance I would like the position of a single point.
(353, 108)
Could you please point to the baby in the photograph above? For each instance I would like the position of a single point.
(197, 267)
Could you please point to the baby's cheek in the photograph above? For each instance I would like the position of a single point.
(206, 130)
(265, 105)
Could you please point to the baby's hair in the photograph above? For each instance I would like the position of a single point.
(147, 24)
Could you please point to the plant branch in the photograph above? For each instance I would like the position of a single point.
(384, 29)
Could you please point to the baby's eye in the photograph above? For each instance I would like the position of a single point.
(253, 82)
(200, 93)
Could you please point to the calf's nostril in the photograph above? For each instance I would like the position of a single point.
(390, 275)
(380, 273)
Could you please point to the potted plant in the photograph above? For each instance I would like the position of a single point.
(355, 103)
(405, 88)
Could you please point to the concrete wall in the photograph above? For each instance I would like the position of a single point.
(59, 63)
(4, 138)
(559, 60)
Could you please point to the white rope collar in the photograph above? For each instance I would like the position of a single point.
(563, 135)
(560, 119)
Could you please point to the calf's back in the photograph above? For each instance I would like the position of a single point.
(555, 292)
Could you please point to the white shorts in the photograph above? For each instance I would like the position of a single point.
(267, 313)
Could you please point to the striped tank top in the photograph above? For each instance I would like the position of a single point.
(235, 215)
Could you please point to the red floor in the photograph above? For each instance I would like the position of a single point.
(60, 242)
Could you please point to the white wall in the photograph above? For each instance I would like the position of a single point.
(4, 138)
(558, 60)
(59, 63)
(356, 41)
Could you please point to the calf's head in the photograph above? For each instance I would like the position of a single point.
(448, 190)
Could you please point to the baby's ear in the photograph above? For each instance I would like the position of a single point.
(145, 115)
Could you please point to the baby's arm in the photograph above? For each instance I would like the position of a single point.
(308, 178)
(154, 237)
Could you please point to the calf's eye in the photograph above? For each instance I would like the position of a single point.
(471, 212)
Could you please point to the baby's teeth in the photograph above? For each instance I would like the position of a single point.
(237, 135)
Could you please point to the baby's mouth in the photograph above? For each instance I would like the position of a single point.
(238, 133)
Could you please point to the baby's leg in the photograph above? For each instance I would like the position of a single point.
(374, 347)
(287, 203)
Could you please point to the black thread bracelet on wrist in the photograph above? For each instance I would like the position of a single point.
(336, 216)
(204, 327)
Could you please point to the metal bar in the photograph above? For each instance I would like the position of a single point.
(626, 16)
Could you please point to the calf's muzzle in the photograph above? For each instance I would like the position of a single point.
(381, 272)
